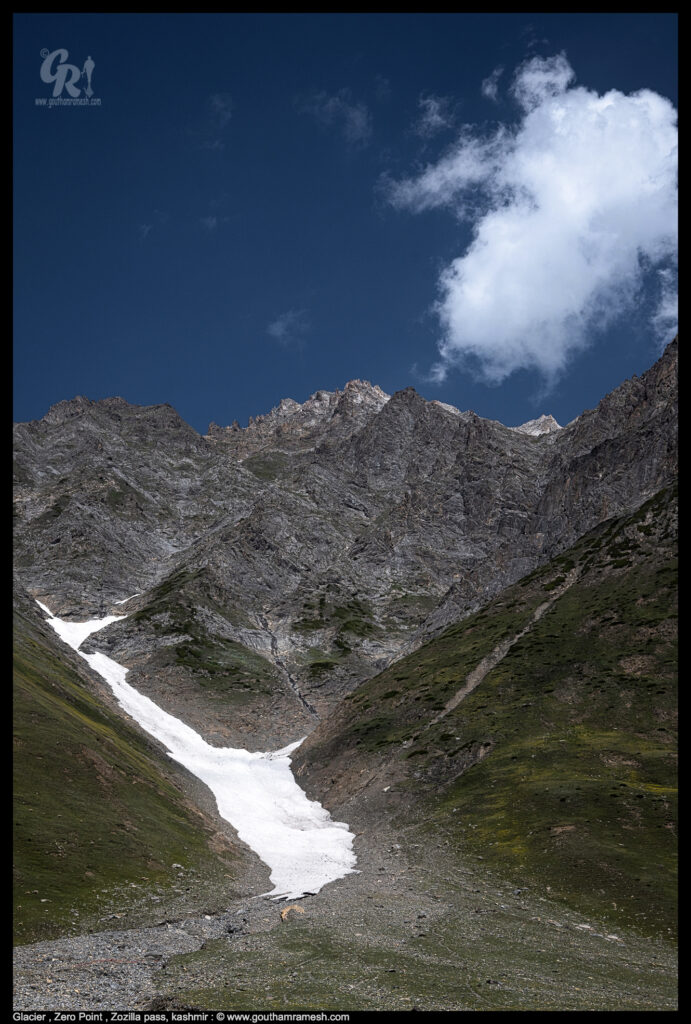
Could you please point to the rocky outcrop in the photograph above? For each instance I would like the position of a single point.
(542, 425)
(324, 417)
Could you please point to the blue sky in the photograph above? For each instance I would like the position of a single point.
(255, 207)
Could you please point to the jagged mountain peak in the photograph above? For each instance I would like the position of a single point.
(320, 404)
(295, 425)
(68, 409)
(365, 389)
(545, 424)
(160, 416)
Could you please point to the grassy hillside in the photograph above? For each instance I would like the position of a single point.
(102, 828)
(184, 605)
(559, 769)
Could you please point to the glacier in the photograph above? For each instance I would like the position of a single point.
(255, 792)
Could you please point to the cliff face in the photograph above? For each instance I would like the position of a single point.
(292, 559)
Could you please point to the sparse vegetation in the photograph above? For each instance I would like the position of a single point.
(579, 788)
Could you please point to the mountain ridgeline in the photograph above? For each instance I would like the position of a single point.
(281, 565)
(474, 625)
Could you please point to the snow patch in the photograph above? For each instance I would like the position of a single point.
(255, 792)
(75, 633)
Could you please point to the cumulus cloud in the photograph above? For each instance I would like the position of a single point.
(665, 319)
(490, 85)
(541, 79)
(573, 211)
(289, 329)
(435, 115)
(351, 117)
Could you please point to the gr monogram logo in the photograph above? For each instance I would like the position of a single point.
(55, 69)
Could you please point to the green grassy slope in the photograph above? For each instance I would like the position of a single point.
(560, 768)
(97, 808)
(222, 668)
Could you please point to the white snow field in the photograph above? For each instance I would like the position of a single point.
(257, 793)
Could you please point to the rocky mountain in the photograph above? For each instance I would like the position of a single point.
(285, 562)
(474, 626)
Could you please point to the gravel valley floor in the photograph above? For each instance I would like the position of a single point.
(401, 934)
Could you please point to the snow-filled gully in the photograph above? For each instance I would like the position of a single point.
(257, 793)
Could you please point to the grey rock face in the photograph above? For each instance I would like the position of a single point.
(325, 538)
(542, 425)
(326, 415)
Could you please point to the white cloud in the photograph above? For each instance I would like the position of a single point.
(470, 162)
(490, 85)
(221, 107)
(541, 78)
(435, 115)
(352, 117)
(665, 319)
(289, 328)
(573, 210)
